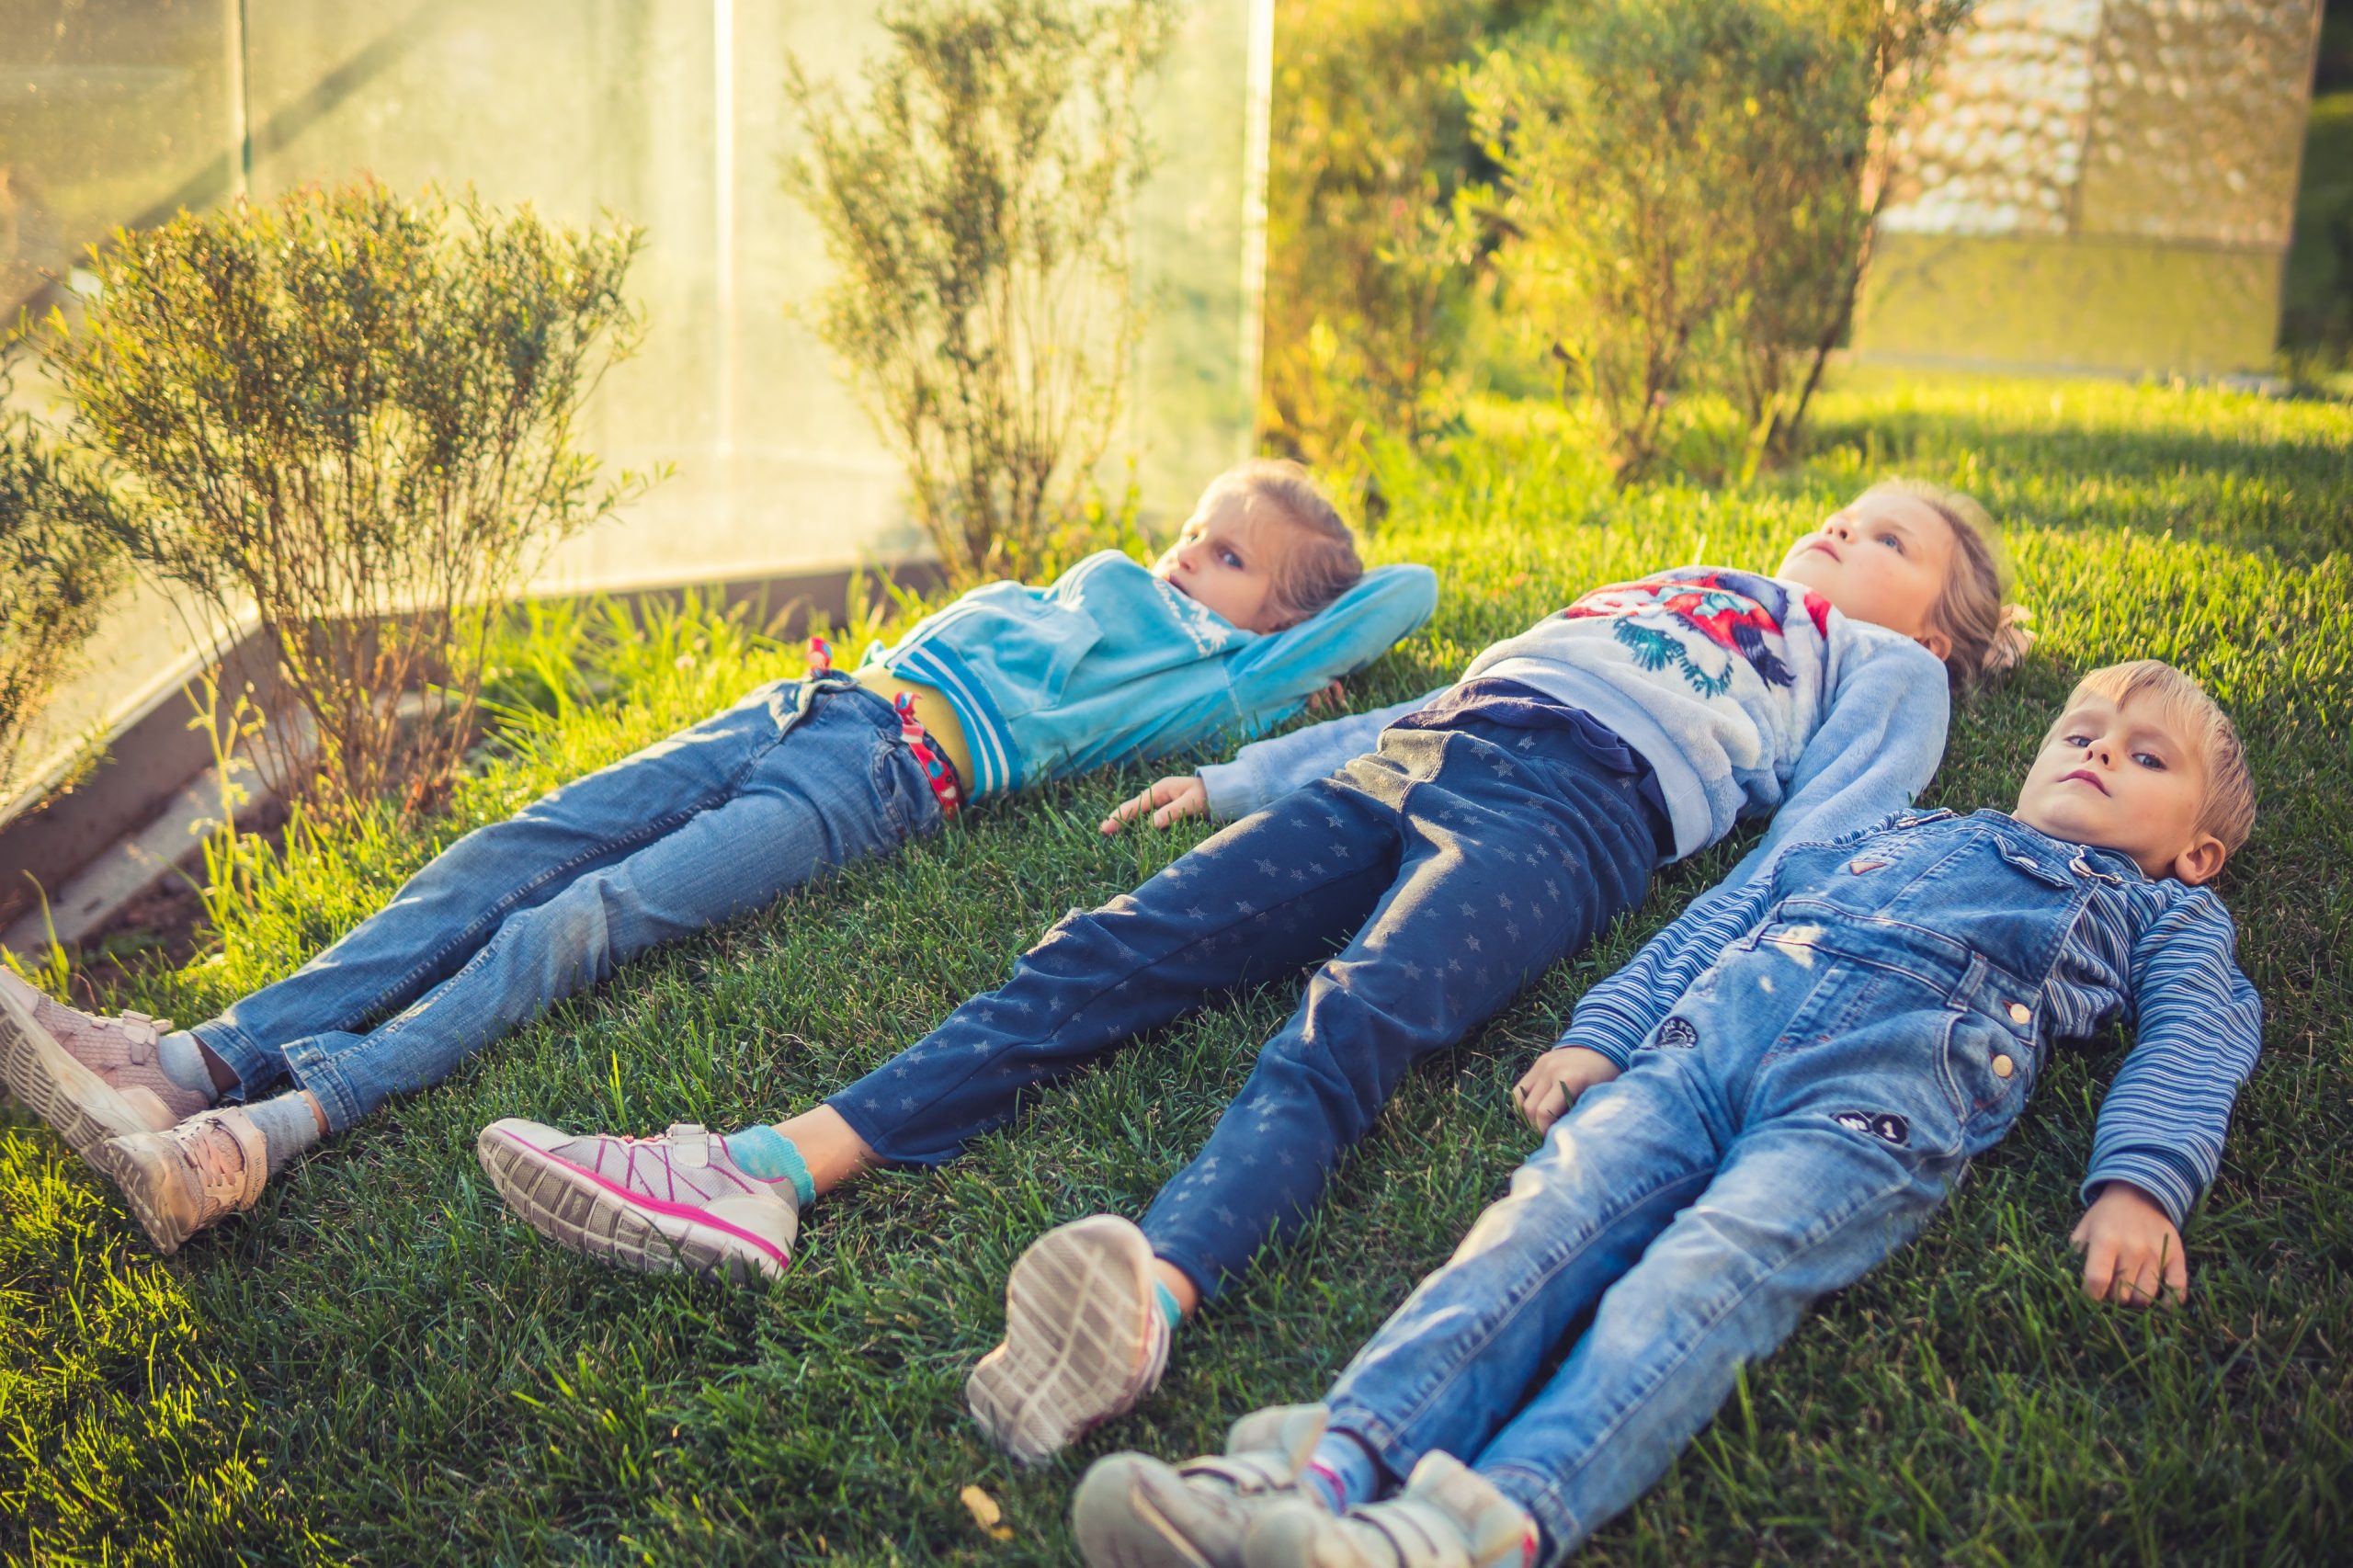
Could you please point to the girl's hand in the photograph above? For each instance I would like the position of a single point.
(2132, 1252)
(1329, 699)
(1177, 798)
(1559, 1075)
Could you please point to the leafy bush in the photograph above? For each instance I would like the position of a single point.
(1689, 193)
(2316, 304)
(976, 213)
(1370, 262)
(1817, 181)
(61, 558)
(354, 415)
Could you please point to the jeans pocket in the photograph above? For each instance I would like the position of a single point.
(1986, 1074)
(903, 797)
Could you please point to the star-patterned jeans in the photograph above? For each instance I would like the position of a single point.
(1449, 868)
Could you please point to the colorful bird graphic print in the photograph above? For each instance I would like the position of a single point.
(1738, 611)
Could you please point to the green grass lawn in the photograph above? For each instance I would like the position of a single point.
(381, 1366)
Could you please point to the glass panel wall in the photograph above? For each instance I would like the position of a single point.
(671, 113)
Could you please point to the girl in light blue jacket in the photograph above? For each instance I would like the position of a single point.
(1260, 605)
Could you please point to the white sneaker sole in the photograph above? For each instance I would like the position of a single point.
(577, 1209)
(1079, 1314)
(51, 1083)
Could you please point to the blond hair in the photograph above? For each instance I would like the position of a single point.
(1987, 631)
(2183, 706)
(1321, 563)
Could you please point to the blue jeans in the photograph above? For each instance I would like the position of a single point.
(714, 821)
(1800, 1112)
(1449, 868)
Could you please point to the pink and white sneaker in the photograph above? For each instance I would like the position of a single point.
(677, 1203)
(190, 1175)
(90, 1078)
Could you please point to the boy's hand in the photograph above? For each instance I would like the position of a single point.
(1559, 1075)
(2132, 1252)
(1329, 699)
(1177, 797)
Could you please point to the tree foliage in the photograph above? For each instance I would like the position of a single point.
(1371, 264)
(976, 211)
(62, 559)
(1689, 194)
(354, 414)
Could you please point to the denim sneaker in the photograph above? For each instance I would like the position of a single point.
(91, 1079)
(1083, 1339)
(1448, 1515)
(677, 1203)
(1132, 1511)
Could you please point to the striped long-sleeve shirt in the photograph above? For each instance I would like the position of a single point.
(2157, 955)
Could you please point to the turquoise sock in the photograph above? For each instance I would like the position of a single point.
(768, 1154)
(1168, 1307)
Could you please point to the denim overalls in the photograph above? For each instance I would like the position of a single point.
(1801, 1111)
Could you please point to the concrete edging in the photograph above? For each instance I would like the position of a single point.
(113, 831)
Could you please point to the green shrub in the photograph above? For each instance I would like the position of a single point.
(1372, 264)
(1688, 193)
(2316, 304)
(976, 211)
(353, 414)
(1817, 177)
(61, 558)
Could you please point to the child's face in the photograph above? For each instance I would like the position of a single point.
(1884, 558)
(2122, 779)
(1226, 559)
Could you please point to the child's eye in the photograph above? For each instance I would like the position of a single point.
(1230, 559)
(1893, 541)
(2151, 760)
(2075, 740)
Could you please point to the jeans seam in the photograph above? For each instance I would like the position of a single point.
(1549, 1272)
(325, 1082)
(1942, 983)
(1560, 1522)
(246, 1045)
(1210, 1282)
(901, 806)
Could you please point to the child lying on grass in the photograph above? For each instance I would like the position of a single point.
(1500, 824)
(1259, 606)
(1757, 1128)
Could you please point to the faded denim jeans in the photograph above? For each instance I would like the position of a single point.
(1799, 1112)
(714, 821)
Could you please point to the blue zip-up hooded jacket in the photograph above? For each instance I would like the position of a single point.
(1110, 664)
